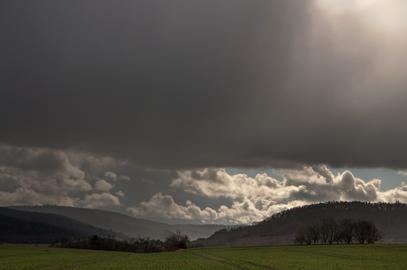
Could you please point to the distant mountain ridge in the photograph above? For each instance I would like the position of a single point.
(14, 230)
(281, 228)
(129, 226)
(30, 227)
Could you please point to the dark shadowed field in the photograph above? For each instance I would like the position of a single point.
(355, 257)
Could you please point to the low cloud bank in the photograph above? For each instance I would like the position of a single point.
(256, 198)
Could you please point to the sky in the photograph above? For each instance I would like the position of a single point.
(191, 111)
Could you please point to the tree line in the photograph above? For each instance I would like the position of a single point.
(346, 231)
(139, 245)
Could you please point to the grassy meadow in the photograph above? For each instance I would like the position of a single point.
(26, 257)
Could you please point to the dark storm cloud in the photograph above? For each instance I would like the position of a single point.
(184, 83)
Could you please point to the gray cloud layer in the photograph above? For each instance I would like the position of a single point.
(38, 176)
(184, 83)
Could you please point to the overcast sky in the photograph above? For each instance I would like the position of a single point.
(215, 111)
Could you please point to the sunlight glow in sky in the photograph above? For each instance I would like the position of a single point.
(384, 16)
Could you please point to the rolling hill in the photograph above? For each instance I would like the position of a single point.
(132, 227)
(29, 227)
(391, 219)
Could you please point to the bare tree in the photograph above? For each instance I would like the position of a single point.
(300, 237)
(329, 231)
(313, 234)
(366, 232)
(346, 230)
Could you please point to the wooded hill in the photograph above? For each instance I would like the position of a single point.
(281, 228)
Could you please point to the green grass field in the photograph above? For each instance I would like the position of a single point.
(389, 257)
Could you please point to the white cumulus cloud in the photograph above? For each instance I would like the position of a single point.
(256, 198)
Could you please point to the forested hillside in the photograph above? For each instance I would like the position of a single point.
(390, 219)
